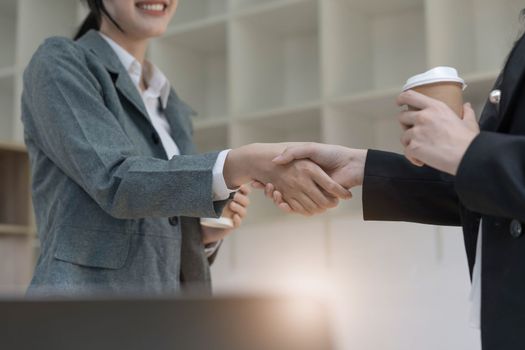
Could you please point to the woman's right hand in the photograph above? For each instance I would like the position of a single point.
(344, 165)
(304, 185)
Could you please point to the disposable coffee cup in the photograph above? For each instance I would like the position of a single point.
(440, 83)
(224, 222)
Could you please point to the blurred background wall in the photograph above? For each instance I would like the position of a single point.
(296, 70)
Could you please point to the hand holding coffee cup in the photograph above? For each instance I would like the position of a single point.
(233, 213)
(442, 84)
(224, 222)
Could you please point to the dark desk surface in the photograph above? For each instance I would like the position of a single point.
(208, 324)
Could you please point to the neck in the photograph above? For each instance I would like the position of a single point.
(136, 47)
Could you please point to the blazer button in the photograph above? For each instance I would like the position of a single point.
(515, 229)
(155, 137)
(174, 221)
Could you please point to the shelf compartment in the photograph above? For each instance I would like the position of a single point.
(39, 20)
(14, 188)
(473, 36)
(195, 62)
(198, 10)
(16, 230)
(17, 265)
(373, 104)
(371, 46)
(7, 100)
(253, 6)
(276, 57)
(285, 125)
(8, 24)
(211, 137)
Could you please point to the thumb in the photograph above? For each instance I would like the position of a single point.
(293, 153)
(468, 113)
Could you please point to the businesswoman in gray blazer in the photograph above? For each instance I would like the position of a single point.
(118, 188)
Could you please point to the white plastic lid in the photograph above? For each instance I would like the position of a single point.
(221, 222)
(435, 75)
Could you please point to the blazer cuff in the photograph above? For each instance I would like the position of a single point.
(474, 169)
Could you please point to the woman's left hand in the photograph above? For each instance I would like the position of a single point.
(434, 135)
(239, 207)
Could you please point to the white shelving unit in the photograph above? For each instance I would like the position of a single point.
(271, 70)
(370, 46)
(290, 70)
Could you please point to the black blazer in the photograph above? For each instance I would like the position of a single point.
(489, 185)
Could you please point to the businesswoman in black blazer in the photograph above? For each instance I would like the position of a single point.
(474, 177)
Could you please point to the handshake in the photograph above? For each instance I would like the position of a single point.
(303, 178)
(309, 178)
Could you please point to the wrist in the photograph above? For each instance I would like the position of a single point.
(236, 171)
(252, 162)
(454, 165)
(358, 161)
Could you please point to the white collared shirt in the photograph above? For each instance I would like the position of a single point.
(475, 292)
(159, 89)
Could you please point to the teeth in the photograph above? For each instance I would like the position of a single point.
(152, 7)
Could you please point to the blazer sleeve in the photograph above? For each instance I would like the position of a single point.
(491, 176)
(70, 122)
(396, 190)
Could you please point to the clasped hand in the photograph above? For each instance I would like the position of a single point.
(307, 180)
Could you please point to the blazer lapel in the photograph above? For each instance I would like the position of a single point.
(94, 42)
(512, 77)
(178, 115)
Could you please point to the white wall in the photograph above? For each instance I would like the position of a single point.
(390, 285)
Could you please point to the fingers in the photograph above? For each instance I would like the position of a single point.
(415, 100)
(237, 221)
(406, 139)
(408, 119)
(277, 197)
(330, 186)
(308, 203)
(257, 185)
(268, 190)
(238, 209)
(239, 205)
(468, 113)
(297, 207)
(280, 203)
(241, 199)
(295, 152)
(246, 190)
(323, 201)
(286, 208)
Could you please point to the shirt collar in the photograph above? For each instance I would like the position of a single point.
(158, 84)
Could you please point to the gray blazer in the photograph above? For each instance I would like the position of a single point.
(113, 213)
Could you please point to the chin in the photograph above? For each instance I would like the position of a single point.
(147, 33)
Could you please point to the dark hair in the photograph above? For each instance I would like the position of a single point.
(94, 18)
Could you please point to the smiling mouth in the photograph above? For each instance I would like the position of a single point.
(152, 7)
